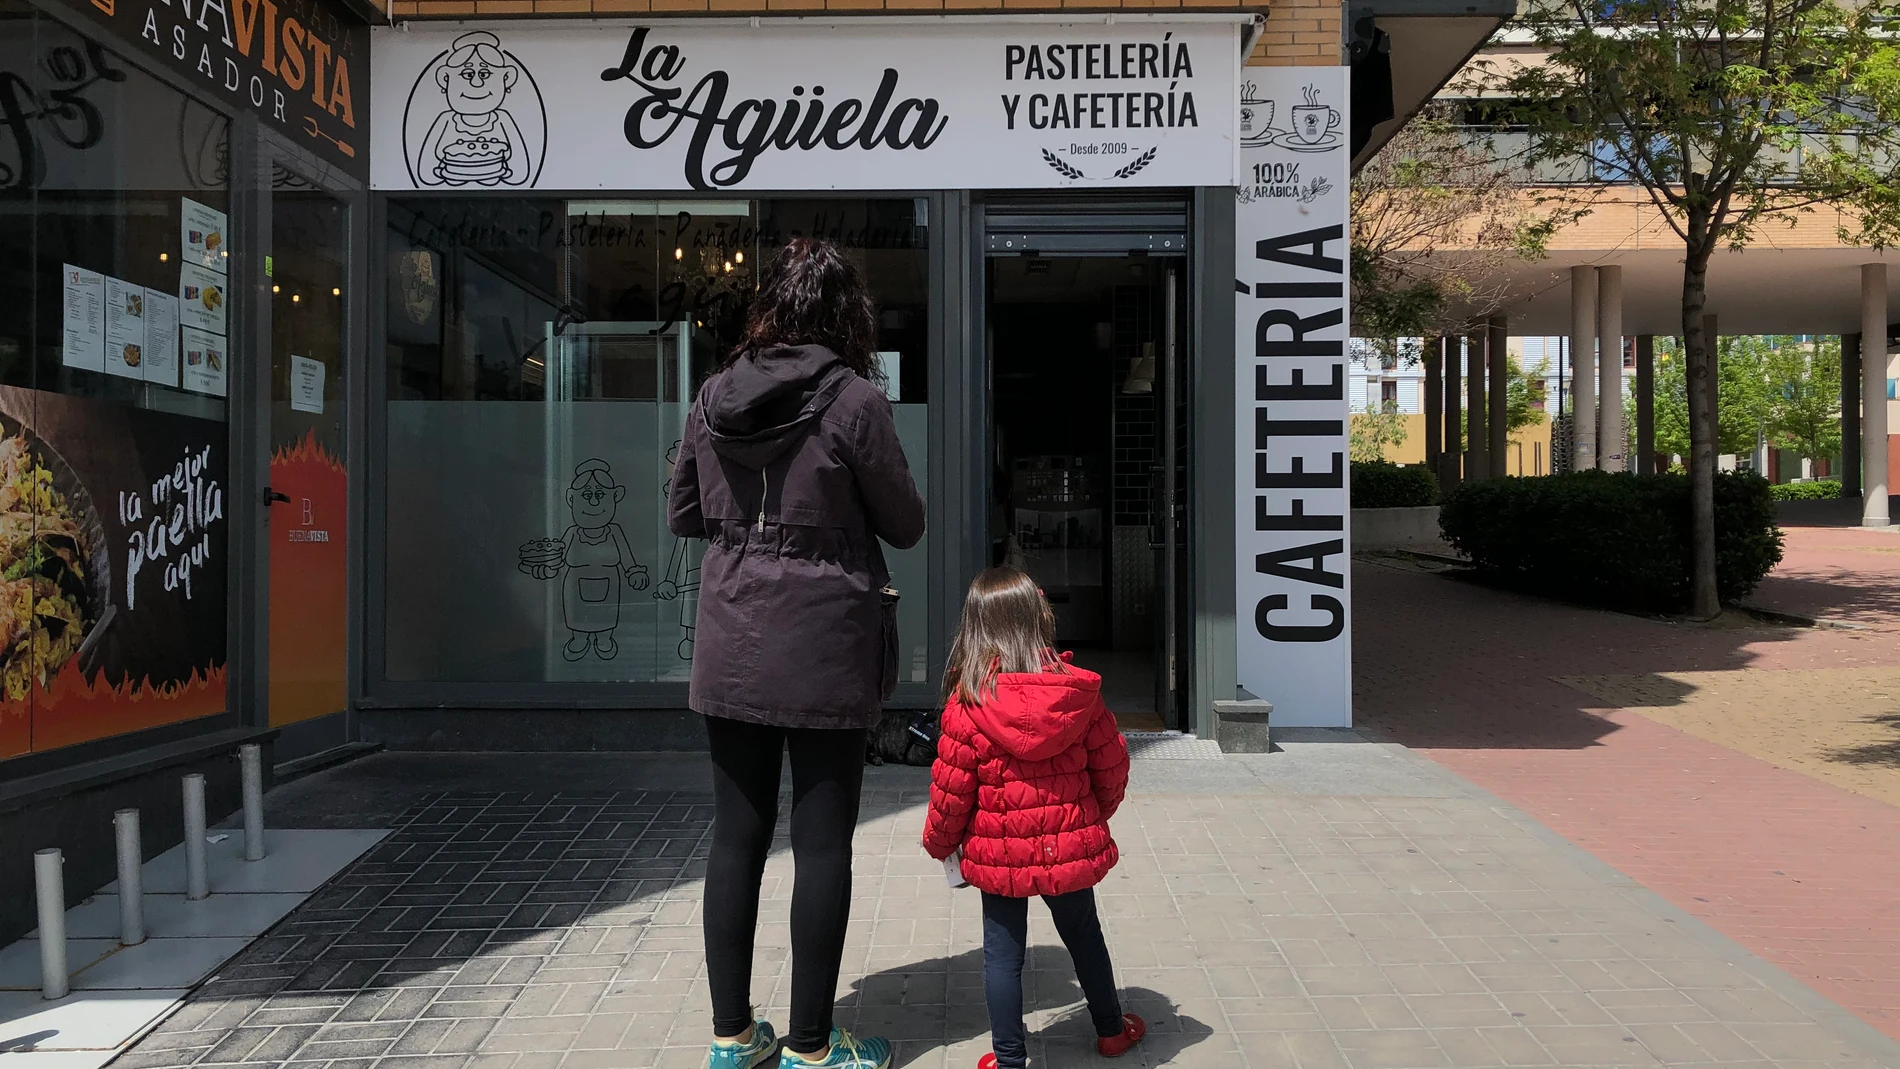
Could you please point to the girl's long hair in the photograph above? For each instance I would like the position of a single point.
(1007, 626)
(812, 294)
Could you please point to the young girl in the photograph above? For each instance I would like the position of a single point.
(1029, 768)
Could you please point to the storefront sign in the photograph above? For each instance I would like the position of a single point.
(889, 104)
(301, 66)
(1292, 519)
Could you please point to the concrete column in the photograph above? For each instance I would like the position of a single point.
(1478, 439)
(1873, 393)
(1612, 441)
(1454, 423)
(1432, 403)
(1497, 361)
(1850, 415)
(1583, 367)
(1646, 404)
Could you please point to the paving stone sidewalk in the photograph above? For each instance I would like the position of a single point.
(1342, 903)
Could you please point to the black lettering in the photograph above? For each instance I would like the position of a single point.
(1299, 325)
(1265, 429)
(1296, 520)
(1326, 632)
(1278, 249)
(1298, 478)
(1298, 390)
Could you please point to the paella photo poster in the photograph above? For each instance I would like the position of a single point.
(113, 538)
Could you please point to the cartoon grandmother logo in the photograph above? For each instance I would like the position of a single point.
(592, 560)
(475, 118)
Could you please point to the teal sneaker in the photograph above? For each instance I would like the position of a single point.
(847, 1052)
(745, 1055)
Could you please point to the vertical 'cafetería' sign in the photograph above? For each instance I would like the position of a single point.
(1291, 508)
(898, 104)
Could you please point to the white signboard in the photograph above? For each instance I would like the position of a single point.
(161, 338)
(889, 104)
(1291, 514)
(83, 325)
(306, 385)
(125, 329)
(201, 298)
(201, 235)
(204, 362)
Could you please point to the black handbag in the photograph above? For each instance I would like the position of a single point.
(887, 667)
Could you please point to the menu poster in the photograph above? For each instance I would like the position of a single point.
(201, 293)
(83, 340)
(306, 385)
(125, 329)
(161, 338)
(204, 362)
(201, 231)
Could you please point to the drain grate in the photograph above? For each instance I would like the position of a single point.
(1170, 746)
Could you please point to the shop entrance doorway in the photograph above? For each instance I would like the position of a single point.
(1088, 474)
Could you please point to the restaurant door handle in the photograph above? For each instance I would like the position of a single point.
(271, 497)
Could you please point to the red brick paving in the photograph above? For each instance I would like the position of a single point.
(1802, 873)
(1840, 573)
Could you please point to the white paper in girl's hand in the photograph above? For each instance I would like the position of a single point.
(953, 870)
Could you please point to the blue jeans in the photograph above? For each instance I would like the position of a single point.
(1005, 941)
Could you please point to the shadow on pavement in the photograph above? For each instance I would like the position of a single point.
(1885, 754)
(1453, 664)
(949, 1010)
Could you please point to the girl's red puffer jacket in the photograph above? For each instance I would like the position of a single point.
(1025, 784)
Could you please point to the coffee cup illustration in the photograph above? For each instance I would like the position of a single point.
(1312, 122)
(1256, 119)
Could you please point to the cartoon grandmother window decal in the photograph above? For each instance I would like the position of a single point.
(474, 118)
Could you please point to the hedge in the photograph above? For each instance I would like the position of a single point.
(1621, 541)
(1381, 484)
(1816, 490)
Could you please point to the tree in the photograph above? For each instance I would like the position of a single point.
(1523, 394)
(1804, 396)
(1378, 426)
(1777, 386)
(1434, 186)
(1727, 114)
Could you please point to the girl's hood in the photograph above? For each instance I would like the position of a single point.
(1037, 715)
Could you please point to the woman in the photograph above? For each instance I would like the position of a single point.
(792, 472)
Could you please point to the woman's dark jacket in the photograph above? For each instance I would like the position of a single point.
(791, 470)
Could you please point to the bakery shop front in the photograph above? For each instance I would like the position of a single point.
(182, 204)
(572, 216)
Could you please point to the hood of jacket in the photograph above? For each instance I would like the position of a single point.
(1037, 715)
(758, 408)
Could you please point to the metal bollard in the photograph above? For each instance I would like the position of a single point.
(197, 887)
(49, 883)
(125, 827)
(251, 764)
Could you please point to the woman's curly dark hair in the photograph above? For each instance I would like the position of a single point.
(813, 295)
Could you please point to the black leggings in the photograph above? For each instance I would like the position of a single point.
(827, 778)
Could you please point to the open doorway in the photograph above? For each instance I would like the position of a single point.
(1085, 389)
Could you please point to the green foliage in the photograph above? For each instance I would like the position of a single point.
(1817, 490)
(1786, 389)
(1382, 484)
(1374, 429)
(1621, 541)
(1521, 389)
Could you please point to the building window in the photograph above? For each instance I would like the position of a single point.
(544, 353)
(1389, 394)
(114, 357)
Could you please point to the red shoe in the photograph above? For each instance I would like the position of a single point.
(1133, 1028)
(988, 1061)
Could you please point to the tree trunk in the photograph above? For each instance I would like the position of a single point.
(1698, 354)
